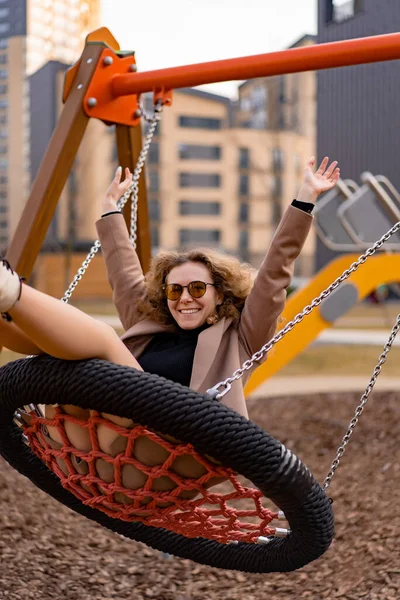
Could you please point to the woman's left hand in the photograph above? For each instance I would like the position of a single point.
(322, 180)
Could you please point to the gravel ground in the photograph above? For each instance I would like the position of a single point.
(47, 552)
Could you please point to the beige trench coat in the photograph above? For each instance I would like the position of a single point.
(221, 348)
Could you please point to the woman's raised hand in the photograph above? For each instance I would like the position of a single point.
(116, 190)
(322, 180)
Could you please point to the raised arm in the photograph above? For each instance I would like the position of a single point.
(266, 300)
(123, 267)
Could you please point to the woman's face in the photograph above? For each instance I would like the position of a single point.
(189, 312)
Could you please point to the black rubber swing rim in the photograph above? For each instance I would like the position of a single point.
(173, 409)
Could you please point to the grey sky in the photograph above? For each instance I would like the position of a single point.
(179, 32)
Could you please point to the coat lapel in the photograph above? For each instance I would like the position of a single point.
(207, 346)
(206, 350)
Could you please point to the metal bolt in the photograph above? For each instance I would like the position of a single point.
(91, 102)
(80, 86)
(133, 68)
(108, 60)
(89, 60)
(138, 113)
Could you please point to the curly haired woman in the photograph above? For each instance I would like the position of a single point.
(195, 317)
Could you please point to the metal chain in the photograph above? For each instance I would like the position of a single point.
(216, 393)
(363, 401)
(133, 191)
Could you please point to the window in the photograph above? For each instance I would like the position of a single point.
(154, 237)
(276, 213)
(277, 159)
(200, 122)
(203, 180)
(3, 149)
(154, 210)
(243, 185)
(341, 10)
(4, 43)
(3, 103)
(276, 187)
(3, 59)
(243, 239)
(244, 212)
(3, 209)
(4, 12)
(244, 158)
(153, 181)
(4, 27)
(153, 156)
(245, 103)
(3, 88)
(3, 73)
(188, 207)
(199, 236)
(191, 151)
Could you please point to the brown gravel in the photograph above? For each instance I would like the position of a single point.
(47, 552)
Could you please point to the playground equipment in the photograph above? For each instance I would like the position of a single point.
(348, 218)
(104, 84)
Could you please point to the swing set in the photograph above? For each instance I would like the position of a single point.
(188, 519)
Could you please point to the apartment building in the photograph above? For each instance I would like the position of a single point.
(284, 108)
(214, 181)
(32, 32)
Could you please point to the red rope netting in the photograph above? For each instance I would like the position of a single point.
(172, 494)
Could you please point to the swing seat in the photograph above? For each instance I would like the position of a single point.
(188, 520)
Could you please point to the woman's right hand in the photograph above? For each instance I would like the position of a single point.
(116, 190)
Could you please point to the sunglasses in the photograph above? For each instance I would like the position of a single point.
(196, 289)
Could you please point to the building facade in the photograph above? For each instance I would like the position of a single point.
(32, 32)
(358, 117)
(215, 180)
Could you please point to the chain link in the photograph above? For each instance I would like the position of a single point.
(257, 356)
(363, 401)
(133, 191)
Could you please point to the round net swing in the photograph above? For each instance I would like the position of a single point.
(170, 502)
(157, 502)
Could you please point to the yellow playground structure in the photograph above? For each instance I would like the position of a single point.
(341, 226)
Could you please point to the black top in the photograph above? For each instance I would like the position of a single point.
(171, 355)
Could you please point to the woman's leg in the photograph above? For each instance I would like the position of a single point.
(65, 332)
(14, 339)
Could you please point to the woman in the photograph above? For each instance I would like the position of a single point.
(195, 320)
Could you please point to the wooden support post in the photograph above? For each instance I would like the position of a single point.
(129, 143)
(54, 169)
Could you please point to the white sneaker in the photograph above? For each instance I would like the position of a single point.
(10, 287)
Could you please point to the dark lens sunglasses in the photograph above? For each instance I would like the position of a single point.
(196, 289)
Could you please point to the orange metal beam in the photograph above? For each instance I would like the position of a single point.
(310, 58)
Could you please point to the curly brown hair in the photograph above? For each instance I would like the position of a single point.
(232, 279)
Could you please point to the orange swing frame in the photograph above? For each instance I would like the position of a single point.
(105, 84)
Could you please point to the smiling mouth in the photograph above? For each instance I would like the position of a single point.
(190, 311)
